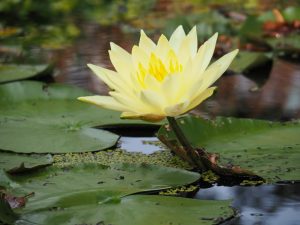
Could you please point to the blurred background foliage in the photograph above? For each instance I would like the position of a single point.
(54, 23)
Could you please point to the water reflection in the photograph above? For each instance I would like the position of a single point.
(146, 145)
(91, 48)
(262, 205)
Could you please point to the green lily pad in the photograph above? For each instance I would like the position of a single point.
(93, 193)
(40, 118)
(248, 60)
(269, 149)
(136, 209)
(58, 184)
(12, 72)
(16, 163)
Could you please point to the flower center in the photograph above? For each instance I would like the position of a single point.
(158, 69)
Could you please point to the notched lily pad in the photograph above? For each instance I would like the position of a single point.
(58, 183)
(91, 194)
(40, 118)
(247, 60)
(18, 163)
(137, 209)
(12, 72)
(268, 149)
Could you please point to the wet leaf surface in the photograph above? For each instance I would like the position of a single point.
(93, 193)
(50, 115)
(137, 209)
(248, 60)
(18, 163)
(11, 72)
(268, 149)
(55, 185)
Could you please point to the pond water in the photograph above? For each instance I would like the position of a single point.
(261, 205)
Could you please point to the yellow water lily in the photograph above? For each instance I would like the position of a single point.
(169, 78)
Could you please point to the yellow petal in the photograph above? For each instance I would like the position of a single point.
(154, 100)
(173, 88)
(176, 38)
(163, 47)
(132, 103)
(204, 55)
(203, 82)
(121, 60)
(139, 56)
(200, 98)
(146, 43)
(146, 117)
(111, 78)
(104, 102)
(221, 64)
(176, 109)
(192, 37)
(152, 83)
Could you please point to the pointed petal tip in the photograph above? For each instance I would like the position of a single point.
(90, 65)
(233, 53)
(142, 32)
(111, 44)
(83, 98)
(215, 37)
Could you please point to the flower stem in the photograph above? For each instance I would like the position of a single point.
(190, 151)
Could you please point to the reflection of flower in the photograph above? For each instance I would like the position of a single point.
(158, 80)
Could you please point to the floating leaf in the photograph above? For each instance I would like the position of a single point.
(91, 194)
(57, 184)
(136, 209)
(269, 149)
(16, 163)
(248, 60)
(20, 72)
(36, 118)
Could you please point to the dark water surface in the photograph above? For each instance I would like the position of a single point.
(261, 205)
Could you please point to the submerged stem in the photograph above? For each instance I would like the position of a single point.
(190, 151)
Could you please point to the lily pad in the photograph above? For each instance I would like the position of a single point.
(248, 60)
(40, 118)
(12, 72)
(93, 193)
(55, 183)
(269, 149)
(16, 163)
(136, 209)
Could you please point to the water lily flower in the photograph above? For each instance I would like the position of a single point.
(160, 80)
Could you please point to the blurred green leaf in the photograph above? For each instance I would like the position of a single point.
(9, 72)
(248, 60)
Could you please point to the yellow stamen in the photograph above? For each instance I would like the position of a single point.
(158, 69)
